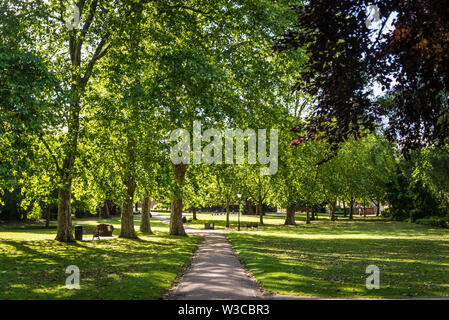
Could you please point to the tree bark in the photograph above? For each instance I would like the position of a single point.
(344, 209)
(145, 225)
(290, 215)
(176, 226)
(194, 213)
(351, 209)
(260, 206)
(332, 210)
(64, 231)
(105, 213)
(127, 216)
(378, 208)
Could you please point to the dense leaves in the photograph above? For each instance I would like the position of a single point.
(404, 54)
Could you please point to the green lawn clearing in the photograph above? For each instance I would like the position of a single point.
(330, 258)
(219, 220)
(109, 269)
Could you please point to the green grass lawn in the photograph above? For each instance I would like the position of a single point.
(330, 258)
(109, 269)
(269, 219)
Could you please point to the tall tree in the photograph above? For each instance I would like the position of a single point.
(404, 52)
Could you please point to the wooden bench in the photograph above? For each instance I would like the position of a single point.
(104, 230)
(209, 226)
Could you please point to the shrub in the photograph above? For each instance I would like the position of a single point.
(434, 221)
(416, 214)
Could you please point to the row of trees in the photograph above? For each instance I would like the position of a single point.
(87, 110)
(92, 119)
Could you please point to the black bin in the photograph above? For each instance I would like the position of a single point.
(79, 233)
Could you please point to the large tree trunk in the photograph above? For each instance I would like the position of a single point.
(260, 206)
(377, 208)
(290, 215)
(176, 226)
(64, 232)
(194, 213)
(127, 217)
(227, 213)
(344, 209)
(145, 225)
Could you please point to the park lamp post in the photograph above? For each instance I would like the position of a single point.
(239, 195)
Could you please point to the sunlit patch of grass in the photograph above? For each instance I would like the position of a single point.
(219, 220)
(330, 258)
(109, 269)
(38, 231)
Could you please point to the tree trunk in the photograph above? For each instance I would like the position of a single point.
(344, 209)
(312, 214)
(261, 212)
(307, 215)
(176, 226)
(290, 215)
(332, 210)
(145, 225)
(127, 217)
(227, 213)
(194, 213)
(64, 233)
(351, 209)
(47, 215)
(364, 209)
(378, 208)
(105, 213)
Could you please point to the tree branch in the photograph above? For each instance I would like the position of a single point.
(100, 52)
(51, 152)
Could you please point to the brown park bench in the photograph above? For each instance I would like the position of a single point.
(209, 226)
(104, 230)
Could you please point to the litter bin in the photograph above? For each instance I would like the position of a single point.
(79, 233)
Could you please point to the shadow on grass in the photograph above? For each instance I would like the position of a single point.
(414, 263)
(110, 269)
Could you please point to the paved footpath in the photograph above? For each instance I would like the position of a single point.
(215, 272)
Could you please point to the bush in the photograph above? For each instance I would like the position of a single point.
(416, 214)
(434, 221)
(386, 213)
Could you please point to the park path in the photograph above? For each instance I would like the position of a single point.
(215, 272)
